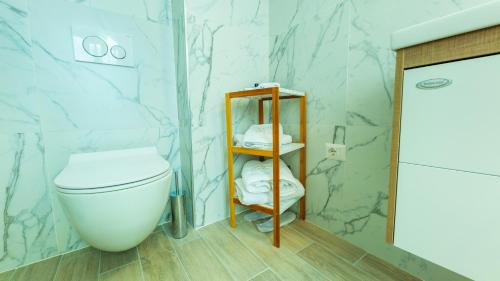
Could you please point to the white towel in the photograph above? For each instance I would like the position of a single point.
(238, 141)
(261, 134)
(266, 198)
(258, 177)
(251, 198)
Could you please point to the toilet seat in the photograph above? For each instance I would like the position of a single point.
(114, 187)
(99, 172)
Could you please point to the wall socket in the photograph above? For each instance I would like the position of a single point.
(335, 151)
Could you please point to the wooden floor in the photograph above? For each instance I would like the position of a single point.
(220, 253)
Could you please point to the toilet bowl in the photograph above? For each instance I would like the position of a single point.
(114, 199)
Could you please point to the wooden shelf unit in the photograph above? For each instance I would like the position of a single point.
(274, 95)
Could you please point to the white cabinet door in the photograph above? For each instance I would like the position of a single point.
(450, 218)
(457, 126)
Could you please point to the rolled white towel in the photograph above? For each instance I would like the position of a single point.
(251, 198)
(258, 176)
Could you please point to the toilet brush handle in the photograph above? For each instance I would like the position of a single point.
(176, 183)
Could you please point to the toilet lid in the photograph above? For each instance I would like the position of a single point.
(111, 168)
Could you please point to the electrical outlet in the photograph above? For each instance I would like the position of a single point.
(335, 151)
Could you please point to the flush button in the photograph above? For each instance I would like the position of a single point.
(95, 46)
(118, 52)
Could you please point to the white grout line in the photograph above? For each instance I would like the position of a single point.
(57, 268)
(248, 247)
(118, 267)
(212, 250)
(310, 241)
(265, 269)
(12, 276)
(140, 263)
(177, 254)
(359, 259)
(99, 266)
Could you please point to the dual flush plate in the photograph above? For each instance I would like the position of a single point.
(102, 47)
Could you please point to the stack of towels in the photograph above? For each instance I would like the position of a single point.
(256, 184)
(261, 136)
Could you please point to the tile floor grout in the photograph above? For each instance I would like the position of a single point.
(314, 268)
(217, 257)
(99, 266)
(118, 267)
(265, 269)
(139, 260)
(372, 269)
(177, 253)
(57, 268)
(247, 247)
(359, 259)
(300, 234)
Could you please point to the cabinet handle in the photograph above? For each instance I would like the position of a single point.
(434, 83)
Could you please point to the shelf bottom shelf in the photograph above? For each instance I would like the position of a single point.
(259, 208)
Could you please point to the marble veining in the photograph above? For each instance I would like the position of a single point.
(223, 38)
(27, 224)
(189, 53)
(53, 106)
(339, 52)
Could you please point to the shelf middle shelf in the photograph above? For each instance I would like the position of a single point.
(286, 148)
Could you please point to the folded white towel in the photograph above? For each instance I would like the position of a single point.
(238, 141)
(258, 177)
(266, 198)
(261, 134)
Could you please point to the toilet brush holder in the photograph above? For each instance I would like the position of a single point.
(179, 224)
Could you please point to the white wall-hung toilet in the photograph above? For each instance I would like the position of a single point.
(115, 199)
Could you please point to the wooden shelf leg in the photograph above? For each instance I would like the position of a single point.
(261, 119)
(302, 214)
(276, 166)
(230, 164)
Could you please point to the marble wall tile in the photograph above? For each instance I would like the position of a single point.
(371, 60)
(223, 39)
(27, 223)
(16, 101)
(184, 110)
(53, 106)
(349, 81)
(156, 11)
(308, 52)
(76, 95)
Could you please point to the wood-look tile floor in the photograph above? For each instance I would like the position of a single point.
(218, 252)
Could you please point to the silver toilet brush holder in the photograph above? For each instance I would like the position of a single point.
(179, 224)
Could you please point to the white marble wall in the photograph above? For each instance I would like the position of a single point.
(52, 106)
(339, 51)
(227, 50)
(184, 110)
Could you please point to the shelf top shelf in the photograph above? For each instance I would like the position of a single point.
(284, 149)
(266, 93)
